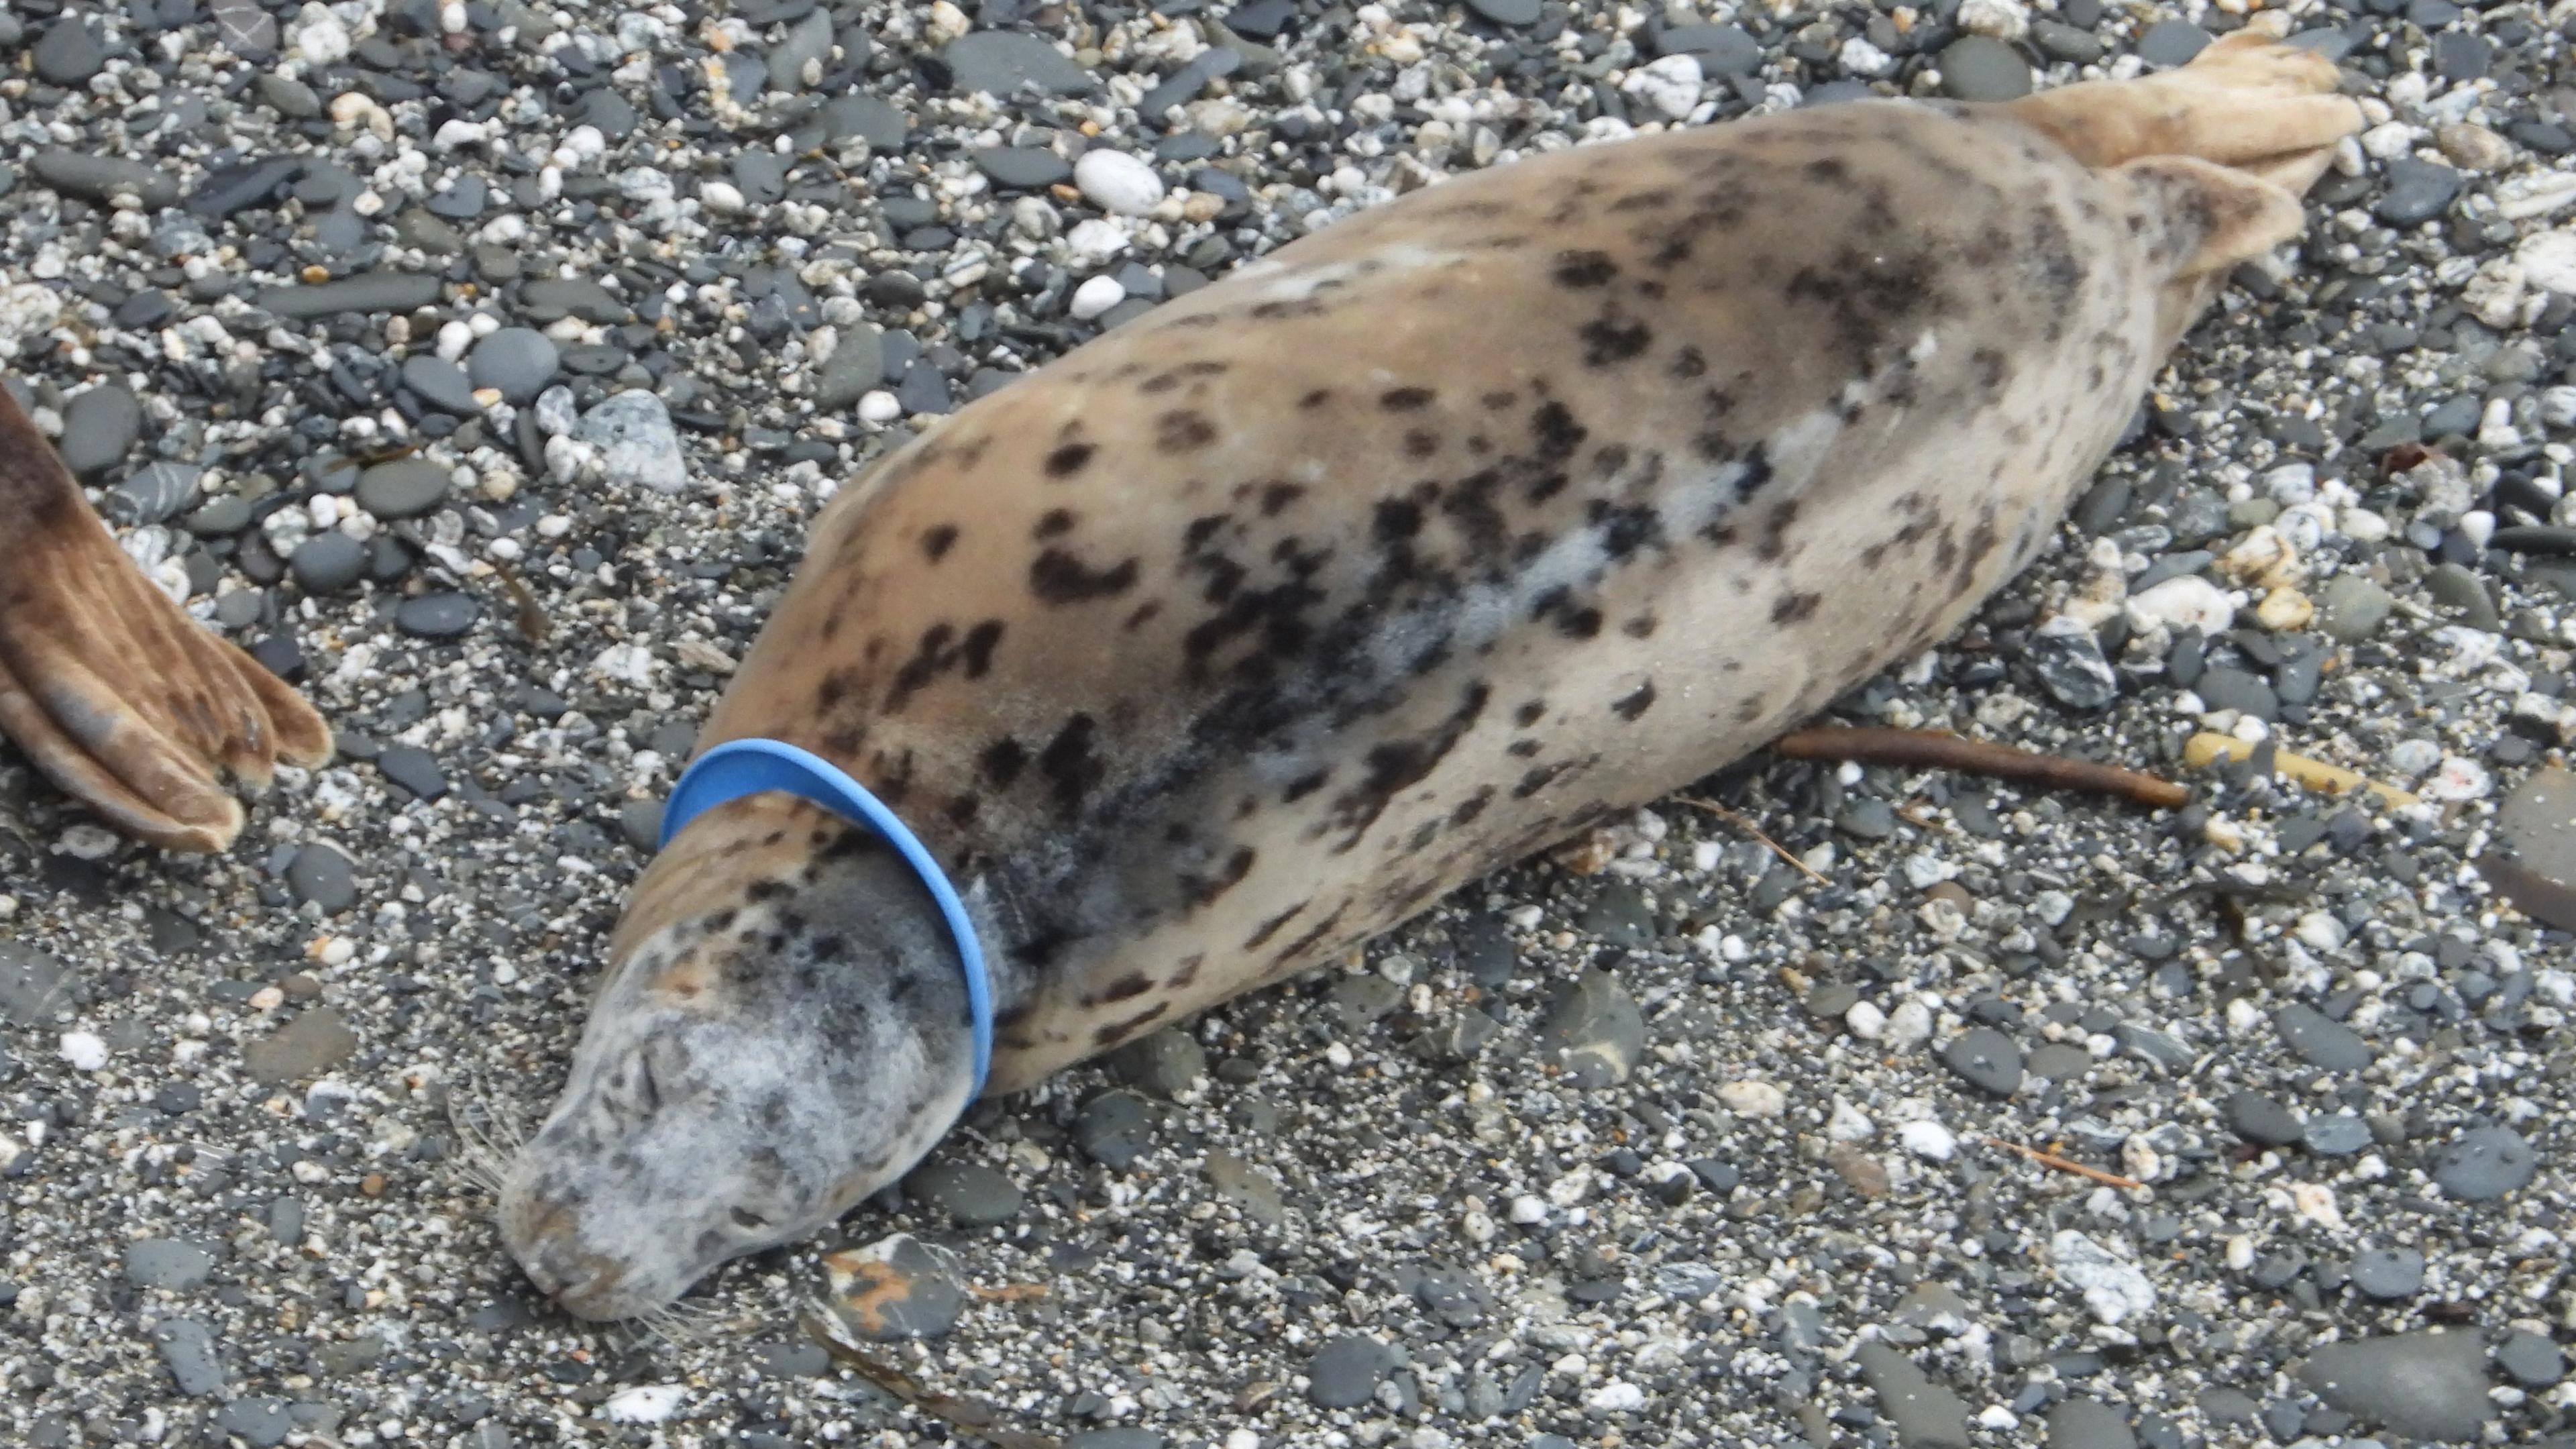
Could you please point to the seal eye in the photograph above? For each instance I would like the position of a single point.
(746, 1218)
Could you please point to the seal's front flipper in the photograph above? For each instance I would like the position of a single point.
(116, 695)
(2201, 217)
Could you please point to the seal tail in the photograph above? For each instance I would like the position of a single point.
(113, 692)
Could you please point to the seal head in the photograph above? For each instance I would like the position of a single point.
(781, 1036)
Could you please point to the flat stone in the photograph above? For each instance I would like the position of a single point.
(189, 1352)
(550, 299)
(808, 41)
(855, 368)
(2485, 1164)
(2532, 860)
(1166, 1063)
(321, 875)
(262, 1423)
(2430, 1384)
(519, 361)
(974, 1195)
(154, 492)
(2259, 1119)
(403, 488)
(368, 292)
(866, 118)
(637, 443)
(1926, 1415)
(2172, 42)
(1594, 1030)
(2388, 1273)
(1981, 68)
(999, 62)
(1721, 50)
(440, 383)
(894, 1288)
(2531, 1359)
(1986, 1059)
(2320, 1040)
(99, 428)
(1248, 1188)
(2089, 1424)
(414, 769)
(104, 179)
(2418, 191)
(1343, 1374)
(33, 985)
(1022, 168)
(2335, 1134)
(1122, 1436)
(69, 52)
(437, 616)
(1507, 12)
(169, 1263)
(1114, 1129)
(2350, 608)
(311, 1044)
(327, 562)
(247, 31)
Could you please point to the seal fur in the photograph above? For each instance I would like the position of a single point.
(1247, 631)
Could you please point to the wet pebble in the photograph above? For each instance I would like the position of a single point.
(440, 383)
(403, 488)
(518, 362)
(973, 1195)
(636, 441)
(2388, 1273)
(327, 562)
(2485, 1164)
(167, 1263)
(437, 616)
(1344, 1373)
(99, 428)
(2320, 1040)
(2430, 1384)
(1594, 1031)
(1980, 68)
(1985, 1059)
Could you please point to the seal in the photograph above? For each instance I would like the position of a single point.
(111, 690)
(1244, 632)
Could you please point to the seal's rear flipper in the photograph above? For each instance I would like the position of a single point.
(116, 695)
(2247, 102)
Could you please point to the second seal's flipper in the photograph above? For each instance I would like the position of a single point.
(113, 692)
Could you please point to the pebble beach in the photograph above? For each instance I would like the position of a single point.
(480, 366)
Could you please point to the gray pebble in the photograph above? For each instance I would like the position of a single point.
(974, 1195)
(1986, 1059)
(366, 292)
(2418, 191)
(440, 383)
(519, 361)
(1507, 12)
(2431, 1384)
(636, 441)
(1114, 1129)
(1024, 168)
(1343, 1374)
(2534, 863)
(2223, 686)
(2089, 1424)
(320, 875)
(1594, 1030)
(262, 1423)
(247, 31)
(809, 39)
(33, 985)
(1722, 50)
(304, 1048)
(2335, 1134)
(437, 616)
(288, 96)
(2320, 1040)
(2350, 608)
(99, 428)
(2455, 588)
(104, 178)
(169, 1263)
(2531, 1359)
(414, 769)
(1165, 1063)
(855, 367)
(2172, 43)
(403, 488)
(867, 118)
(999, 62)
(69, 53)
(2485, 1164)
(1981, 68)
(1926, 1414)
(550, 299)
(154, 492)
(327, 562)
(2388, 1273)
(188, 1350)
(2069, 663)
(1123, 1436)
(2259, 1119)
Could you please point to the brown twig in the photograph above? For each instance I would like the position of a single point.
(1749, 828)
(1939, 750)
(972, 1419)
(2051, 1159)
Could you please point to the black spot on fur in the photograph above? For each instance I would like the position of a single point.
(1183, 431)
(1060, 578)
(1609, 339)
(1636, 703)
(1002, 761)
(1066, 461)
(1304, 785)
(1118, 1031)
(1790, 608)
(1395, 765)
(936, 541)
(1275, 497)
(1474, 805)
(1270, 928)
(1069, 764)
(1406, 399)
(1315, 399)
(1128, 987)
(1054, 523)
(1200, 890)
(1585, 269)
(1529, 713)
(1643, 626)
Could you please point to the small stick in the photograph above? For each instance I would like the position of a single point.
(2205, 749)
(1937, 749)
(2051, 1159)
(971, 1419)
(1749, 828)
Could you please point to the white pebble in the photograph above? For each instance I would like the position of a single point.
(2187, 601)
(1753, 1099)
(1865, 1021)
(1096, 296)
(645, 1404)
(1116, 182)
(880, 406)
(84, 1051)
(2459, 779)
(1617, 1397)
(1909, 1025)
(1671, 85)
(318, 36)
(1529, 1210)
(1849, 1123)
(1928, 1139)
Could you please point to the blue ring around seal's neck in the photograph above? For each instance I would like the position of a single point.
(738, 768)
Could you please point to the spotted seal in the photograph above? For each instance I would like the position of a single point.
(1246, 631)
(113, 692)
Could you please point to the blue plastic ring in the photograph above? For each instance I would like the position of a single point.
(738, 768)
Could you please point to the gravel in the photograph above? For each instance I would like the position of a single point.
(489, 377)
